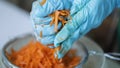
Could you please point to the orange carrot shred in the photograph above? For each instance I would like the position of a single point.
(41, 34)
(56, 20)
(59, 16)
(36, 55)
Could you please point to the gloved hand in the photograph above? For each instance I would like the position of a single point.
(86, 15)
(41, 20)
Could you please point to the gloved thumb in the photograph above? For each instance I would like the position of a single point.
(78, 5)
(64, 33)
(67, 44)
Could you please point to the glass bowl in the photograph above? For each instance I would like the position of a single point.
(19, 42)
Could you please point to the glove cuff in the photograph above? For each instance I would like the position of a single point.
(118, 3)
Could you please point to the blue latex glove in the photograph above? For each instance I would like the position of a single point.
(41, 20)
(86, 15)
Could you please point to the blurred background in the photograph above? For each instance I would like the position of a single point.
(107, 35)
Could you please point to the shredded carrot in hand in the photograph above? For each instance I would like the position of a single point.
(36, 55)
(59, 16)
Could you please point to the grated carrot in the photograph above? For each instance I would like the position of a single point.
(40, 34)
(36, 55)
(59, 16)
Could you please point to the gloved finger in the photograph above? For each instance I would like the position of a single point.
(61, 3)
(78, 5)
(46, 29)
(67, 44)
(47, 8)
(49, 40)
(38, 20)
(46, 40)
(67, 4)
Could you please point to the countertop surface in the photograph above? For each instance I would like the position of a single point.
(15, 21)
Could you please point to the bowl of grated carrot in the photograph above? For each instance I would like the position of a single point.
(25, 52)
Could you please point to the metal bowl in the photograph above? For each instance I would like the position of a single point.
(19, 42)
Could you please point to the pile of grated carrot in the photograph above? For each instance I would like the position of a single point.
(36, 55)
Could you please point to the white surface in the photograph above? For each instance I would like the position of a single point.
(13, 21)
